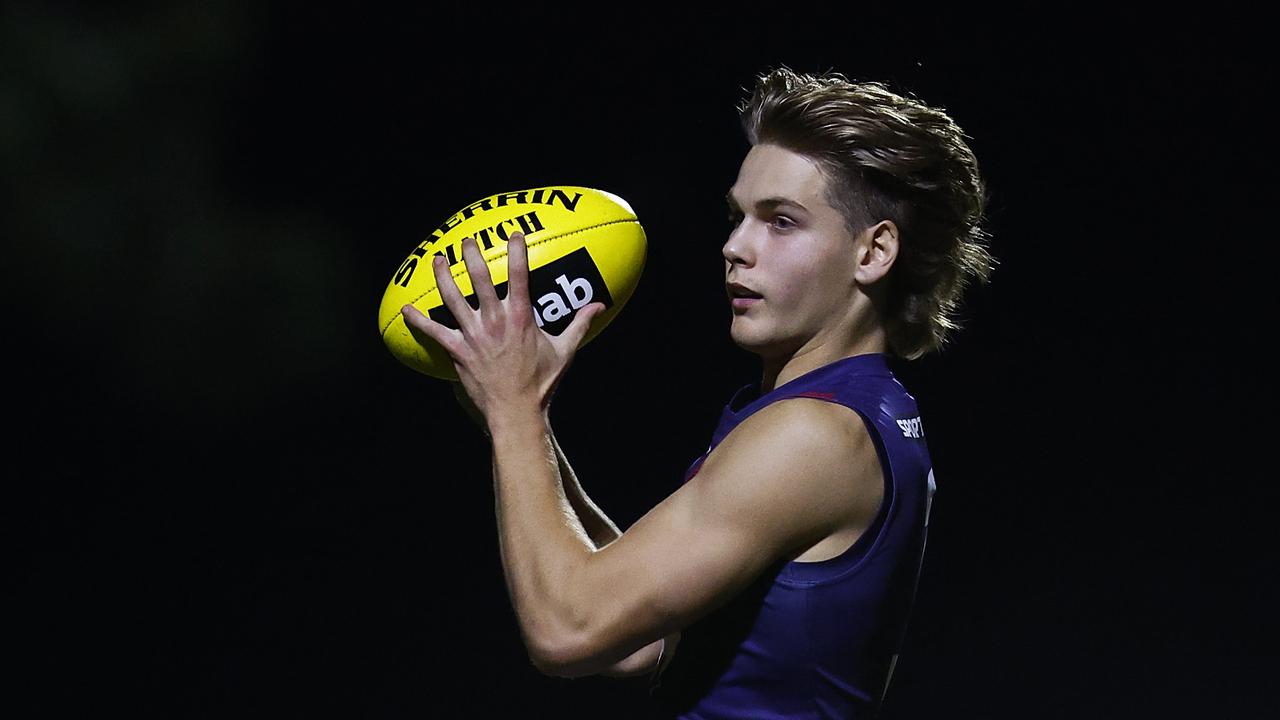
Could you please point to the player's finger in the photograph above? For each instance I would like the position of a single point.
(571, 338)
(444, 336)
(518, 270)
(481, 280)
(452, 297)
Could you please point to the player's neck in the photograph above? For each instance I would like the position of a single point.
(780, 370)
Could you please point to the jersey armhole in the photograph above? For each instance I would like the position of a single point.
(854, 556)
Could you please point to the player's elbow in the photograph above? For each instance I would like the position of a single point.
(642, 662)
(543, 665)
(564, 663)
(556, 654)
(575, 661)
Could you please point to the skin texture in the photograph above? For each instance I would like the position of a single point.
(816, 277)
(790, 475)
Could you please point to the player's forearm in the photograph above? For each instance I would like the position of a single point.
(603, 531)
(599, 527)
(540, 539)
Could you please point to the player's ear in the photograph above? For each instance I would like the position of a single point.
(877, 248)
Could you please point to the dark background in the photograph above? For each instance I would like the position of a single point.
(228, 500)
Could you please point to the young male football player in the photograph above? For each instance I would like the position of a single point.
(777, 581)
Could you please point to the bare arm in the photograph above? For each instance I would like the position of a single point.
(602, 531)
(599, 527)
(783, 479)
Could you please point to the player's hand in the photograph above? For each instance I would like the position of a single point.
(504, 360)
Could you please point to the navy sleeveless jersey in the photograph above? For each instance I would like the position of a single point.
(816, 639)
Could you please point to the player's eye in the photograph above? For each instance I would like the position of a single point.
(784, 223)
(735, 217)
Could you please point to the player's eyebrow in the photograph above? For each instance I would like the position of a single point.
(765, 204)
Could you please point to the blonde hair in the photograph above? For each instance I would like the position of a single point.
(886, 156)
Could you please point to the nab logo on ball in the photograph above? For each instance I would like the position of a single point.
(585, 246)
(557, 291)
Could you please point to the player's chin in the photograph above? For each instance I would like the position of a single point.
(752, 337)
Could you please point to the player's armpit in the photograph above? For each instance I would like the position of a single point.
(788, 476)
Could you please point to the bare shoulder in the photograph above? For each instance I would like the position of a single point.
(799, 418)
(816, 458)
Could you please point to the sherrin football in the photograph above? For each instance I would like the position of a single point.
(585, 246)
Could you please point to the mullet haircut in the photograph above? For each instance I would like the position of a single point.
(888, 157)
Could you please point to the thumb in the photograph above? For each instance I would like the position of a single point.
(577, 330)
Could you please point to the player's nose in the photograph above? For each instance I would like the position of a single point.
(737, 249)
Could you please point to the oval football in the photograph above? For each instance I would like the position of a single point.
(585, 245)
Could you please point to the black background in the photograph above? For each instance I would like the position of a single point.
(228, 500)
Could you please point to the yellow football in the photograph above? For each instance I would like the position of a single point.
(585, 246)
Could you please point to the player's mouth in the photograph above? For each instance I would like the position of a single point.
(742, 297)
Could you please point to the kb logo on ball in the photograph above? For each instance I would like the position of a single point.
(557, 289)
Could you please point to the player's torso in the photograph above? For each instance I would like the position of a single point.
(819, 629)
